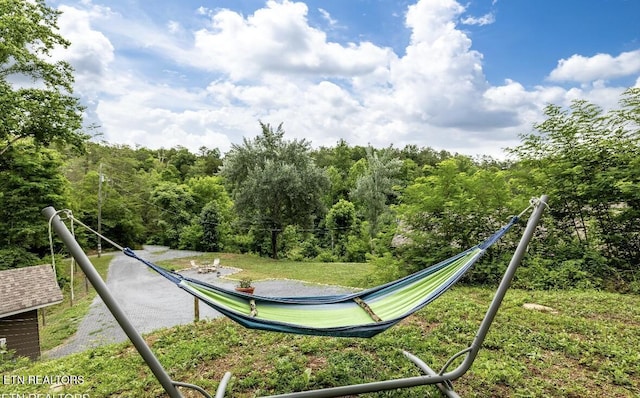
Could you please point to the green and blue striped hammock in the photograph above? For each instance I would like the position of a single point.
(362, 314)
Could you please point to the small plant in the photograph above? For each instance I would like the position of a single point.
(245, 283)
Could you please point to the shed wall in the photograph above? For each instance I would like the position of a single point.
(21, 332)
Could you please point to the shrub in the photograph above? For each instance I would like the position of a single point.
(16, 257)
(326, 256)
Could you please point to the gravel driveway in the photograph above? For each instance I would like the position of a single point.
(151, 302)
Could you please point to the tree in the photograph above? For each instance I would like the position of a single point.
(209, 188)
(175, 205)
(457, 205)
(29, 181)
(182, 160)
(208, 162)
(211, 222)
(587, 161)
(274, 182)
(44, 110)
(376, 186)
(120, 216)
(340, 220)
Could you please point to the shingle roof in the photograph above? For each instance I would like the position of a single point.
(28, 288)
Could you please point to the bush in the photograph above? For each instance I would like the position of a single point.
(191, 237)
(240, 243)
(17, 257)
(387, 269)
(210, 224)
(309, 247)
(326, 256)
(357, 248)
(544, 273)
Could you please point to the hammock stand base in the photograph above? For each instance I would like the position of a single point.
(442, 379)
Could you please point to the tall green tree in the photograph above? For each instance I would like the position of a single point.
(45, 109)
(208, 162)
(341, 220)
(174, 205)
(29, 181)
(587, 160)
(274, 182)
(375, 187)
(456, 206)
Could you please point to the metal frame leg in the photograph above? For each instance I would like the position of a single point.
(101, 288)
(441, 379)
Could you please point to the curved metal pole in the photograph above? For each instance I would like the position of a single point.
(222, 387)
(445, 378)
(101, 288)
(366, 387)
(521, 250)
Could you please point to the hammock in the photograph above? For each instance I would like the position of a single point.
(362, 314)
(385, 305)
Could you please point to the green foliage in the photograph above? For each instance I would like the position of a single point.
(337, 162)
(570, 272)
(211, 228)
(274, 182)
(29, 181)
(207, 189)
(175, 202)
(207, 163)
(357, 246)
(375, 187)
(326, 256)
(587, 160)
(290, 242)
(46, 112)
(191, 237)
(16, 257)
(341, 220)
(456, 206)
(387, 268)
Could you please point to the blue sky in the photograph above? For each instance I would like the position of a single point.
(467, 77)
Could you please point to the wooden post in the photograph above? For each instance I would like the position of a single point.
(196, 309)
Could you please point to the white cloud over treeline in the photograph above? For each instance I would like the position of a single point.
(275, 66)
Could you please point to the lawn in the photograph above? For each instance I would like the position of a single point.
(260, 268)
(586, 347)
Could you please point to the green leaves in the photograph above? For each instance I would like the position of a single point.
(376, 185)
(274, 182)
(29, 181)
(45, 109)
(587, 160)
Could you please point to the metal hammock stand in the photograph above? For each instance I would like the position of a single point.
(442, 378)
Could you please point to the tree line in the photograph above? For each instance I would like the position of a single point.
(400, 208)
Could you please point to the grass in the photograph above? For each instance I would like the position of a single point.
(61, 320)
(589, 348)
(259, 268)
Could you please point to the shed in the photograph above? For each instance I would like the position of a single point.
(23, 291)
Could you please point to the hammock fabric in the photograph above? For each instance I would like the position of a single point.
(361, 314)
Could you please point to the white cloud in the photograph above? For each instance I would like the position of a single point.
(440, 80)
(277, 39)
(325, 14)
(273, 66)
(486, 19)
(174, 27)
(583, 69)
(90, 52)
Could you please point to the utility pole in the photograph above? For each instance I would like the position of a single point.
(100, 178)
